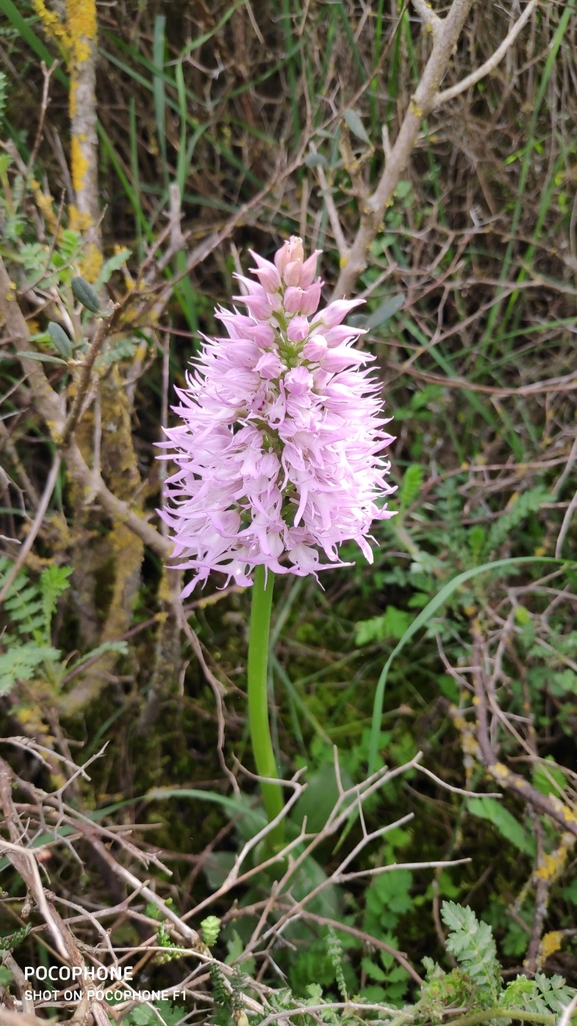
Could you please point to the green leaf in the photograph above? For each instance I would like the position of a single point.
(21, 663)
(387, 899)
(43, 357)
(411, 484)
(493, 810)
(472, 943)
(107, 646)
(10, 10)
(235, 948)
(563, 682)
(356, 126)
(85, 294)
(23, 602)
(423, 618)
(316, 160)
(53, 583)
(477, 537)
(320, 797)
(60, 339)
(143, 1016)
(528, 502)
(373, 971)
(169, 1014)
(114, 263)
(210, 930)
(158, 58)
(392, 624)
(545, 776)
(387, 309)
(69, 244)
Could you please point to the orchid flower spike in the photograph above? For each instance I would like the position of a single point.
(279, 446)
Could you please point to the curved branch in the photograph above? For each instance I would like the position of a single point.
(445, 38)
(427, 97)
(491, 63)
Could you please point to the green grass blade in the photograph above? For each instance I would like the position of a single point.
(158, 51)
(29, 36)
(423, 618)
(182, 163)
(494, 318)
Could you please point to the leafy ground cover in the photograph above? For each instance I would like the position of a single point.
(126, 764)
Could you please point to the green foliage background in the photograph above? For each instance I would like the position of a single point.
(470, 288)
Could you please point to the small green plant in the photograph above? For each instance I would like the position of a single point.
(29, 608)
(477, 984)
(153, 1015)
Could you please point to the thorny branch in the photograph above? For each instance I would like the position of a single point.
(44, 813)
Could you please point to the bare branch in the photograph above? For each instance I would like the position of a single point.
(427, 97)
(50, 406)
(332, 212)
(457, 790)
(47, 399)
(428, 16)
(104, 328)
(116, 507)
(491, 63)
(548, 805)
(81, 59)
(565, 526)
(42, 507)
(422, 103)
(568, 1012)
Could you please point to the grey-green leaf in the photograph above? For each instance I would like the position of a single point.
(43, 357)
(85, 294)
(60, 339)
(356, 126)
(316, 160)
(385, 311)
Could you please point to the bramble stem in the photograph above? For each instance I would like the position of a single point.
(258, 647)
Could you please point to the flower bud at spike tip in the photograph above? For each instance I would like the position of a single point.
(279, 446)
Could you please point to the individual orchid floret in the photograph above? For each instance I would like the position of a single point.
(279, 450)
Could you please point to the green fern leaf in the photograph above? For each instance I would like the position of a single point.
(473, 945)
(411, 484)
(21, 663)
(23, 602)
(53, 583)
(30, 605)
(525, 504)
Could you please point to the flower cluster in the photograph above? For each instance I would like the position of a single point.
(277, 450)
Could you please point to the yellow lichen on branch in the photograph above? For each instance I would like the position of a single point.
(76, 34)
(52, 25)
(550, 943)
(552, 865)
(81, 30)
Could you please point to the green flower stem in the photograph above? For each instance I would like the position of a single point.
(258, 647)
